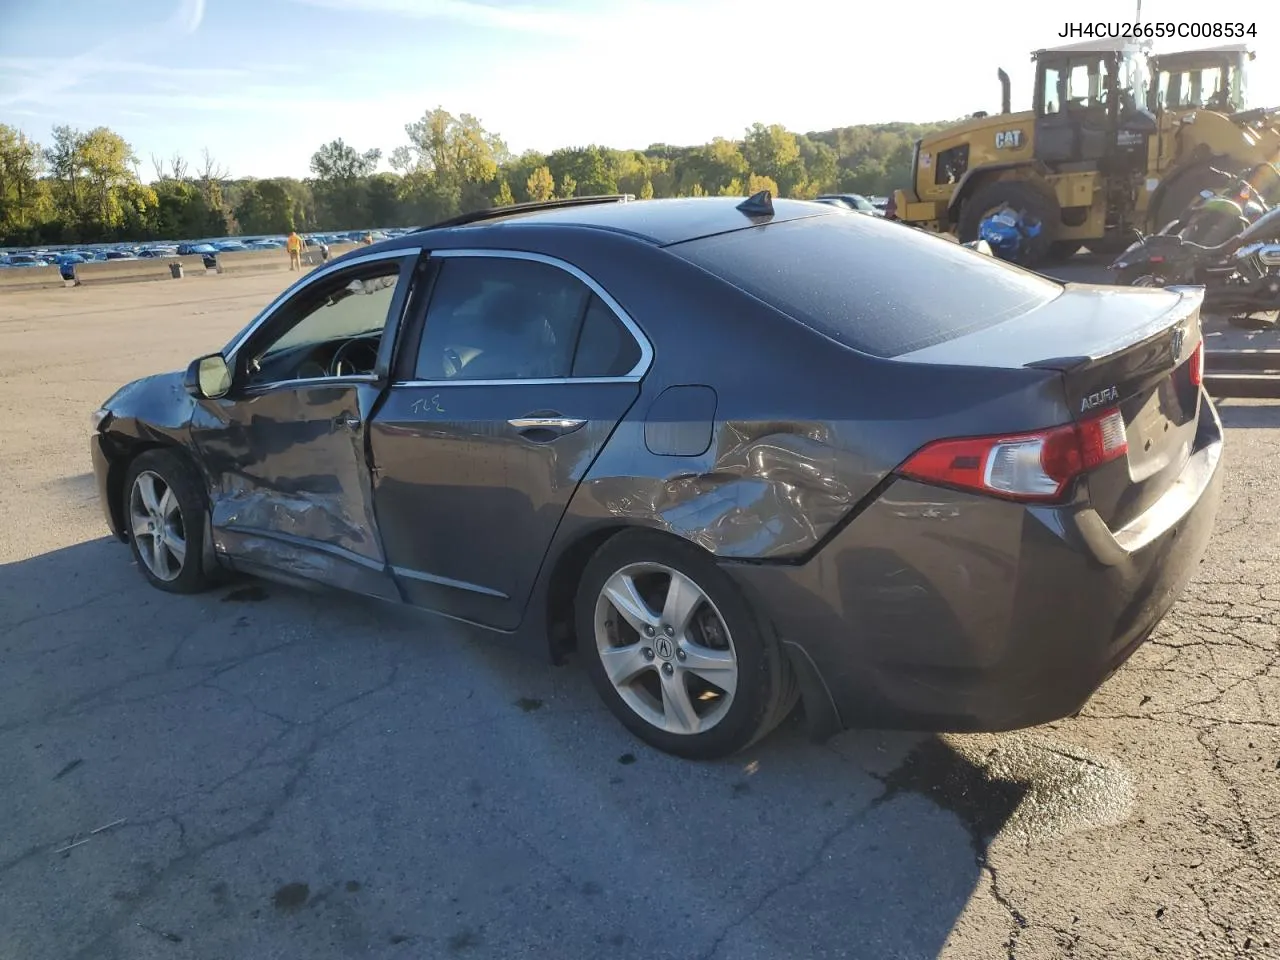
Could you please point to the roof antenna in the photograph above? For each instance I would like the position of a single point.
(758, 204)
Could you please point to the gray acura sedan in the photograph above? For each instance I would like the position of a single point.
(735, 454)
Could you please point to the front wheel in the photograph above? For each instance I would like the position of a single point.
(675, 651)
(165, 515)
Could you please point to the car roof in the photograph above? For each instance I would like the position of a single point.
(660, 222)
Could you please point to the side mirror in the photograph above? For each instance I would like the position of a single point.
(208, 377)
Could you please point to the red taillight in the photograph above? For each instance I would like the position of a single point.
(1031, 466)
(1195, 366)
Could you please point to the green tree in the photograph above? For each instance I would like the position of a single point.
(341, 184)
(106, 159)
(517, 171)
(756, 183)
(84, 186)
(384, 203)
(265, 208)
(182, 210)
(450, 162)
(66, 170)
(587, 168)
(24, 202)
(338, 160)
(771, 151)
(541, 185)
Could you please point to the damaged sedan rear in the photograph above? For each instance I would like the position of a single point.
(736, 455)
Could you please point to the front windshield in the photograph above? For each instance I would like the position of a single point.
(1135, 79)
(1218, 86)
(1083, 81)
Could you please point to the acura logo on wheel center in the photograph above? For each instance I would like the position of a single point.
(666, 649)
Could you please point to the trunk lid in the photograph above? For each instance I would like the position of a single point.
(1120, 348)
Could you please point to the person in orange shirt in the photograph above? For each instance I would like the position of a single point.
(294, 246)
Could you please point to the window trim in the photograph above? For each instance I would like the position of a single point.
(634, 375)
(230, 351)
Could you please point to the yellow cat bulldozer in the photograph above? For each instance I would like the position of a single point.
(1118, 141)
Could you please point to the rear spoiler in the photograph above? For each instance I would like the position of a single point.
(1190, 300)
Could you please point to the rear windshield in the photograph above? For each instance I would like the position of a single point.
(880, 287)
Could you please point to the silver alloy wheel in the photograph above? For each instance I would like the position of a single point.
(1148, 280)
(666, 648)
(156, 525)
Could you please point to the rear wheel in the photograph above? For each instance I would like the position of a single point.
(165, 510)
(675, 651)
(1029, 199)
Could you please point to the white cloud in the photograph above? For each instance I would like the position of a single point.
(617, 22)
(73, 71)
(45, 66)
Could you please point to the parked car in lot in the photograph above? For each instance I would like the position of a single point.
(853, 201)
(737, 453)
(24, 260)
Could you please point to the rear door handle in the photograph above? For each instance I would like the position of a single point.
(349, 422)
(543, 429)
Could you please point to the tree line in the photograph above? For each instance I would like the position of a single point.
(88, 186)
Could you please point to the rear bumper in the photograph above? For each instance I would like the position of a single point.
(947, 611)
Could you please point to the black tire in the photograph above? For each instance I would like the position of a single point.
(1029, 198)
(180, 477)
(766, 688)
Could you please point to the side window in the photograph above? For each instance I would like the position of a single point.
(499, 318)
(331, 328)
(951, 164)
(605, 348)
(1052, 95)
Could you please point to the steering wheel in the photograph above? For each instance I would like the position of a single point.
(452, 362)
(343, 366)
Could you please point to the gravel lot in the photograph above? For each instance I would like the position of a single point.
(275, 774)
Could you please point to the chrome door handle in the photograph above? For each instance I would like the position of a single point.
(349, 422)
(564, 424)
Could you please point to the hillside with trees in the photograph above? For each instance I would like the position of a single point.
(88, 186)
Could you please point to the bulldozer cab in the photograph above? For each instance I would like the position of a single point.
(1211, 79)
(1086, 99)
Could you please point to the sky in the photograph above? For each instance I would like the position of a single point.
(262, 83)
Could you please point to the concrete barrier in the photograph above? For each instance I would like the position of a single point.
(253, 261)
(191, 264)
(30, 278)
(123, 271)
(312, 254)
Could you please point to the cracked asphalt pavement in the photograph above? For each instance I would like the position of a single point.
(260, 772)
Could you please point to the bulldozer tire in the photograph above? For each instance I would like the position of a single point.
(1026, 197)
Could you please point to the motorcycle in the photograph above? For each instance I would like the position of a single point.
(1229, 244)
